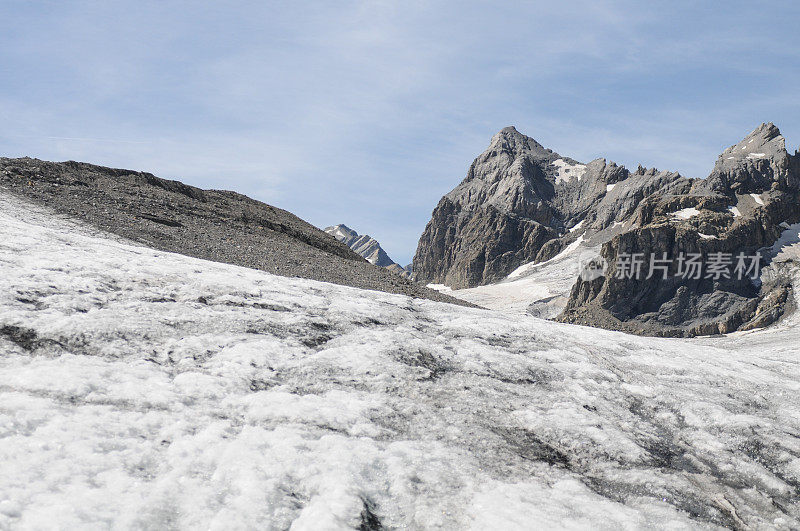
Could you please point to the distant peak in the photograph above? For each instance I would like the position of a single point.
(765, 132)
(509, 138)
(765, 141)
(341, 232)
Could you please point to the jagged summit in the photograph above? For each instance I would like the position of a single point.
(511, 140)
(758, 163)
(517, 196)
(524, 204)
(765, 141)
(367, 247)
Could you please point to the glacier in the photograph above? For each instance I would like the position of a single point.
(143, 389)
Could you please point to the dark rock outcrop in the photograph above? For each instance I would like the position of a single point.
(750, 198)
(209, 224)
(516, 205)
(522, 203)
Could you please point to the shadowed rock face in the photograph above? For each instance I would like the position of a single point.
(745, 204)
(515, 207)
(522, 203)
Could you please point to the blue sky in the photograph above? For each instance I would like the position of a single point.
(366, 113)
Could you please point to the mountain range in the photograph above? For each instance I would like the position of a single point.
(172, 357)
(523, 204)
(367, 247)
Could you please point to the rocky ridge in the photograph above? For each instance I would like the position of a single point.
(522, 203)
(751, 197)
(518, 204)
(215, 225)
(367, 247)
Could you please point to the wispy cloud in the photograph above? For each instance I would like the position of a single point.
(365, 112)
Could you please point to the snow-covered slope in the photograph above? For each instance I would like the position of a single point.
(542, 289)
(150, 390)
(539, 289)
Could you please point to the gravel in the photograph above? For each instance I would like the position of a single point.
(215, 225)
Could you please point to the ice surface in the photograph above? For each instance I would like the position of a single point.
(141, 389)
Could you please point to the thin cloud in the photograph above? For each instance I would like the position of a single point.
(365, 113)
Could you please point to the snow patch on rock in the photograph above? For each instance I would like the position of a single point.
(686, 213)
(440, 287)
(566, 171)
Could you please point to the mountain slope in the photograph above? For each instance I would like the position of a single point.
(210, 224)
(142, 389)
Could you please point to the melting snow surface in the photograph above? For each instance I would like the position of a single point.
(735, 211)
(788, 245)
(757, 198)
(543, 285)
(577, 226)
(142, 389)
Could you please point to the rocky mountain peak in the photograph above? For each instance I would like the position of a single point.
(523, 204)
(341, 232)
(758, 163)
(512, 141)
(366, 246)
(766, 139)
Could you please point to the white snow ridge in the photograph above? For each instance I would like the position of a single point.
(147, 390)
